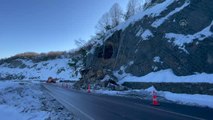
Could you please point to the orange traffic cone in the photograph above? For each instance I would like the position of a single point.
(154, 98)
(88, 88)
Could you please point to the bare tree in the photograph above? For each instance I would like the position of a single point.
(147, 3)
(133, 7)
(80, 42)
(104, 24)
(116, 14)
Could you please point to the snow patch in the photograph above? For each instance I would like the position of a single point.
(138, 34)
(107, 92)
(159, 22)
(146, 34)
(150, 89)
(157, 59)
(180, 39)
(107, 77)
(131, 63)
(155, 68)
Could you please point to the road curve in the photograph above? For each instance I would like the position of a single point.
(102, 107)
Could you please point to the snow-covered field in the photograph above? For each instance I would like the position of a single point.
(27, 101)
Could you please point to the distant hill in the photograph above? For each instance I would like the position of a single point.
(33, 66)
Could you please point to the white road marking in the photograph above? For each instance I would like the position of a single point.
(180, 114)
(85, 114)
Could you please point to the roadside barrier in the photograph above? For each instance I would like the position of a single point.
(88, 90)
(154, 99)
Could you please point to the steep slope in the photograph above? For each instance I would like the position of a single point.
(174, 35)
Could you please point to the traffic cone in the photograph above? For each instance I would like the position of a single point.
(154, 98)
(88, 88)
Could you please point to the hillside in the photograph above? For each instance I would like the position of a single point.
(40, 68)
(168, 35)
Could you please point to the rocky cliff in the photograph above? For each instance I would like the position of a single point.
(168, 34)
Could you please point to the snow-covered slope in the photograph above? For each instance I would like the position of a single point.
(24, 100)
(26, 69)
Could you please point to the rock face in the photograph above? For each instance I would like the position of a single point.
(169, 34)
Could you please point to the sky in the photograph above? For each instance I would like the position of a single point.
(48, 25)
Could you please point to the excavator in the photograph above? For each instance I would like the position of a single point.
(51, 80)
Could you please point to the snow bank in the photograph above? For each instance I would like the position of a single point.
(107, 92)
(168, 76)
(150, 89)
(196, 99)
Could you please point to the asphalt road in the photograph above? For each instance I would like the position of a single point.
(103, 107)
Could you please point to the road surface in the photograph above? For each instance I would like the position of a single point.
(102, 107)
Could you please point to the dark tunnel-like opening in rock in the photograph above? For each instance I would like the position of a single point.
(108, 51)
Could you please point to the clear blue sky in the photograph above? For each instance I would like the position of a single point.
(48, 25)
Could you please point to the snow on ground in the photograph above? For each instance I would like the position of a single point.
(10, 113)
(146, 34)
(160, 21)
(57, 68)
(22, 102)
(150, 89)
(26, 101)
(7, 84)
(107, 92)
(167, 76)
(180, 39)
(189, 99)
(142, 94)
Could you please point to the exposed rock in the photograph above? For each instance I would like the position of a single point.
(127, 45)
